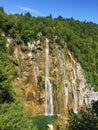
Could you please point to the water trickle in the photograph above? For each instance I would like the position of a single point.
(65, 82)
(74, 91)
(63, 75)
(74, 85)
(75, 99)
(82, 84)
(48, 85)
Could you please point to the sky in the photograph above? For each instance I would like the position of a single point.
(83, 10)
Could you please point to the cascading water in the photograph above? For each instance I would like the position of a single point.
(66, 76)
(74, 88)
(82, 84)
(48, 85)
(65, 83)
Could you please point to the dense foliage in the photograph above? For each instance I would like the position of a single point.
(87, 119)
(12, 117)
(5, 80)
(6, 92)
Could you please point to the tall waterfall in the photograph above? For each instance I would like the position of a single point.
(74, 85)
(48, 85)
(75, 92)
(65, 82)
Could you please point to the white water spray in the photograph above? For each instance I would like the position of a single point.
(48, 85)
(75, 92)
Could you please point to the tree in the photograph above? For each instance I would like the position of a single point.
(87, 119)
(2, 9)
(6, 89)
(2, 44)
(13, 117)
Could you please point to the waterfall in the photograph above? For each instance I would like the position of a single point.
(74, 91)
(82, 84)
(48, 85)
(65, 83)
(74, 88)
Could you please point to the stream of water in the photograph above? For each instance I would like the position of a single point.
(48, 85)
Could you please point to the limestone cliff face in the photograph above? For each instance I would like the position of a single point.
(65, 75)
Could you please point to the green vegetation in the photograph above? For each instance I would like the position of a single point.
(6, 92)
(87, 119)
(13, 117)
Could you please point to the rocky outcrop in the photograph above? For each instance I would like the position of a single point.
(64, 73)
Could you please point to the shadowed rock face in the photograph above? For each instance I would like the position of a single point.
(56, 66)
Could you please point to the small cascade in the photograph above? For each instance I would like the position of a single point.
(82, 84)
(74, 85)
(75, 91)
(48, 85)
(65, 83)
(62, 70)
(75, 98)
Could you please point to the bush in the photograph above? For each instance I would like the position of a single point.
(6, 78)
(13, 117)
(85, 120)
